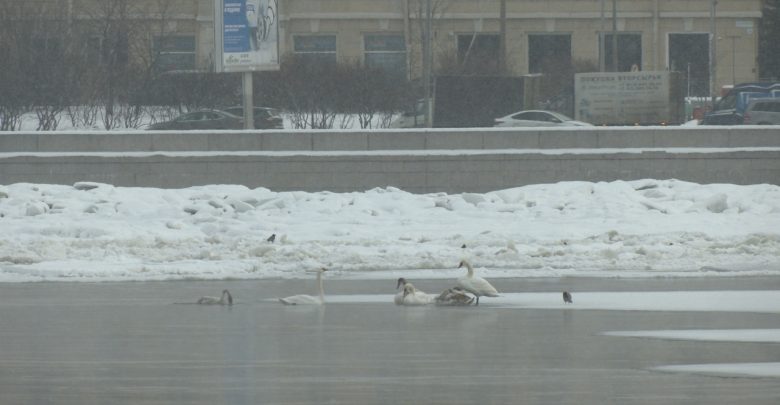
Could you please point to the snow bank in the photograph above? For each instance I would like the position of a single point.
(647, 228)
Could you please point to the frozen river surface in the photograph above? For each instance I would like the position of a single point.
(140, 343)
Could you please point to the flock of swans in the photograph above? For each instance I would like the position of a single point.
(409, 295)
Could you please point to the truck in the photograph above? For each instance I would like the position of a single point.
(629, 98)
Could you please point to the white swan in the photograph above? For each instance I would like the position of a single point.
(410, 296)
(474, 284)
(225, 299)
(303, 299)
(454, 296)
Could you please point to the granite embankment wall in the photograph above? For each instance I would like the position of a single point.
(475, 160)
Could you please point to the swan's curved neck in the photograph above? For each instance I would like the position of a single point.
(470, 269)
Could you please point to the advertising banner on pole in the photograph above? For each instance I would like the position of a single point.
(246, 35)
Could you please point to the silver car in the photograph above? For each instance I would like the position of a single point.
(538, 118)
(762, 111)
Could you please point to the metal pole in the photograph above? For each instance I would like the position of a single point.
(656, 47)
(713, 38)
(502, 38)
(427, 59)
(602, 39)
(614, 37)
(688, 80)
(734, 58)
(249, 116)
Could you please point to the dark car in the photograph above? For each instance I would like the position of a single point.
(202, 119)
(265, 118)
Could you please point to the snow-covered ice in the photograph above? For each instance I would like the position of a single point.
(767, 301)
(768, 369)
(644, 228)
(764, 369)
(708, 335)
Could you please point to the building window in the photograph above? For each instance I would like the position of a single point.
(690, 54)
(315, 48)
(102, 51)
(174, 53)
(479, 53)
(629, 48)
(386, 52)
(549, 53)
(45, 50)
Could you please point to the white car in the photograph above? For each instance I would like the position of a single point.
(411, 119)
(538, 118)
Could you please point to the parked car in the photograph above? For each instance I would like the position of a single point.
(763, 111)
(538, 118)
(411, 119)
(730, 109)
(202, 119)
(265, 118)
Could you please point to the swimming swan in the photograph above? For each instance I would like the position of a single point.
(303, 299)
(474, 284)
(207, 300)
(454, 296)
(411, 295)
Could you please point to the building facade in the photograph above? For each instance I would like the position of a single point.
(539, 35)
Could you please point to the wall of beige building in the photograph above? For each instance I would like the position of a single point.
(349, 20)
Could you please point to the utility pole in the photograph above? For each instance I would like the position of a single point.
(602, 39)
(713, 39)
(614, 37)
(733, 39)
(502, 38)
(427, 61)
(248, 87)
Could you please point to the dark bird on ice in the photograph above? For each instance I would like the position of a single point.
(271, 238)
(567, 297)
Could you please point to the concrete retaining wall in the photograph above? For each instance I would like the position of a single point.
(416, 161)
(483, 138)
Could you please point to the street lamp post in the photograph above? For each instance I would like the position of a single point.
(502, 37)
(614, 37)
(427, 61)
(713, 70)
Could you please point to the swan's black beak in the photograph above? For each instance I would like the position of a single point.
(400, 282)
(460, 264)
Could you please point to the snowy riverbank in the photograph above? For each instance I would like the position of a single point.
(646, 228)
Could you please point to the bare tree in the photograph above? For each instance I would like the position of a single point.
(13, 101)
(122, 62)
(38, 71)
(417, 35)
